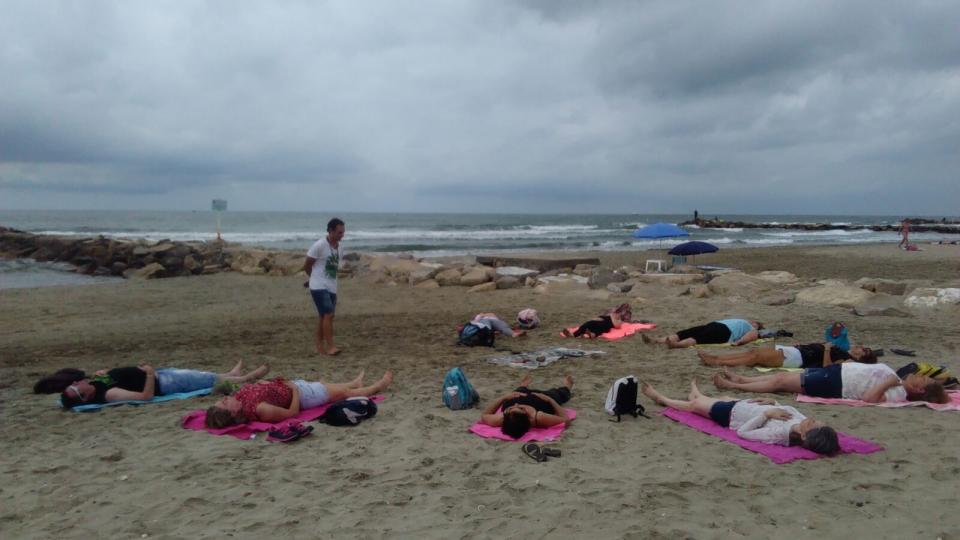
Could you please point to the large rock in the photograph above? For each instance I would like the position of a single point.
(777, 277)
(150, 271)
(516, 271)
(584, 270)
(835, 295)
(777, 298)
(670, 279)
(885, 286)
(932, 297)
(448, 277)
(397, 268)
(603, 276)
(739, 284)
(160, 247)
(878, 310)
(424, 274)
(699, 291)
(483, 287)
(427, 284)
(508, 282)
(476, 276)
(563, 283)
(622, 287)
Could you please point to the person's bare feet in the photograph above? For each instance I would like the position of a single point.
(258, 373)
(707, 358)
(526, 380)
(720, 381)
(333, 351)
(733, 376)
(649, 391)
(694, 390)
(568, 381)
(646, 339)
(237, 369)
(384, 382)
(319, 349)
(357, 382)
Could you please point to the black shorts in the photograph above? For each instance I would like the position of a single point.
(823, 382)
(709, 333)
(720, 412)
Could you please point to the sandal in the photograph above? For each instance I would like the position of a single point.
(551, 452)
(535, 452)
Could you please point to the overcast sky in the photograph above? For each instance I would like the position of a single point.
(527, 106)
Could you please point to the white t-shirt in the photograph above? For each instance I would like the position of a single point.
(748, 420)
(858, 378)
(324, 274)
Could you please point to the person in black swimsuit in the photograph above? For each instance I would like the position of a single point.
(515, 413)
(596, 327)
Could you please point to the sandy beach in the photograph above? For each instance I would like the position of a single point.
(415, 471)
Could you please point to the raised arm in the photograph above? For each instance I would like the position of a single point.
(876, 394)
(559, 415)
(826, 355)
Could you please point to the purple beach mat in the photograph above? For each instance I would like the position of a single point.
(777, 454)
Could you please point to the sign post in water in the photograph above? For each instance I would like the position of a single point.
(218, 205)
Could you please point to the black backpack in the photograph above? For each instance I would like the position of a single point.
(349, 412)
(622, 398)
(473, 335)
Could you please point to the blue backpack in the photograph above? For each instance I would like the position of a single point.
(349, 412)
(472, 335)
(458, 393)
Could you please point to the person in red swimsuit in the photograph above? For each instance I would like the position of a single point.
(279, 399)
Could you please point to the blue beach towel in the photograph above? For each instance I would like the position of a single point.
(156, 399)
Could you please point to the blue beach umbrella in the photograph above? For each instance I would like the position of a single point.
(694, 247)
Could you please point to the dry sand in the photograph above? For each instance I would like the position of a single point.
(415, 471)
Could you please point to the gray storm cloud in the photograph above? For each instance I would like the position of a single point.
(794, 107)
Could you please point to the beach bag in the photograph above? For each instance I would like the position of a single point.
(622, 398)
(472, 335)
(528, 319)
(458, 393)
(937, 373)
(349, 412)
(836, 334)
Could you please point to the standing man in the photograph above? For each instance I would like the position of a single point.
(323, 282)
(905, 233)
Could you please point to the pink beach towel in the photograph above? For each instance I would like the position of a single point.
(535, 434)
(777, 454)
(195, 420)
(953, 405)
(626, 329)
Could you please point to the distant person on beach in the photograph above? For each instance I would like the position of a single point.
(873, 383)
(905, 233)
(732, 331)
(496, 324)
(323, 283)
(596, 327)
(810, 355)
(279, 399)
(137, 383)
(763, 420)
(517, 412)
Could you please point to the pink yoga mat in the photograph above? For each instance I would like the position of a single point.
(777, 454)
(535, 434)
(626, 329)
(194, 420)
(953, 405)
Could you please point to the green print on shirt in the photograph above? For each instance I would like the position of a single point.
(330, 267)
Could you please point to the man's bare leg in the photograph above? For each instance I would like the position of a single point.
(327, 322)
(318, 342)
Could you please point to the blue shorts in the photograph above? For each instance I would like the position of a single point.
(175, 381)
(823, 382)
(312, 394)
(325, 301)
(720, 412)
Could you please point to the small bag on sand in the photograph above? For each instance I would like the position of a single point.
(349, 412)
(472, 335)
(458, 393)
(622, 398)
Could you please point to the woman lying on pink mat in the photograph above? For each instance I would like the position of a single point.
(279, 399)
(762, 420)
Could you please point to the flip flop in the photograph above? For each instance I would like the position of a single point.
(904, 352)
(284, 434)
(551, 452)
(534, 451)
